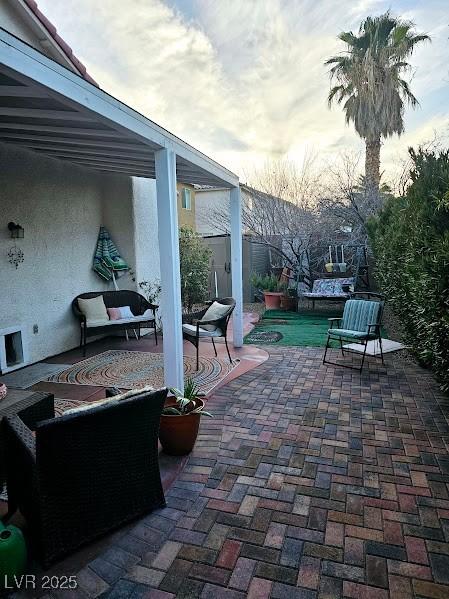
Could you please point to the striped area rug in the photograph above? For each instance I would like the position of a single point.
(134, 369)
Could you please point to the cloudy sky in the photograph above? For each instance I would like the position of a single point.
(243, 80)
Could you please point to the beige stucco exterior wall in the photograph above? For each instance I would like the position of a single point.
(186, 218)
(61, 208)
(212, 213)
(146, 242)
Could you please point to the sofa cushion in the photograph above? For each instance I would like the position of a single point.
(94, 309)
(120, 312)
(87, 406)
(121, 321)
(125, 312)
(114, 313)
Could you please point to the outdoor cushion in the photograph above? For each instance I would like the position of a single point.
(133, 320)
(215, 312)
(125, 312)
(334, 295)
(114, 313)
(351, 334)
(330, 287)
(94, 309)
(120, 312)
(85, 407)
(358, 314)
(190, 329)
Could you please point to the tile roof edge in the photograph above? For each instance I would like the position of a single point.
(53, 33)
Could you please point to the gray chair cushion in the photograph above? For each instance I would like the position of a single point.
(190, 329)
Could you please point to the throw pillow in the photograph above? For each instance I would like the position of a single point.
(215, 312)
(115, 398)
(125, 312)
(85, 407)
(94, 308)
(120, 312)
(114, 313)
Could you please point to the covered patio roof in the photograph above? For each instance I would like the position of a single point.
(74, 121)
(48, 109)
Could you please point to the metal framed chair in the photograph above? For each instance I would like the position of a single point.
(360, 323)
(200, 326)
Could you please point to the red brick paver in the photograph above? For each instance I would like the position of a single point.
(310, 482)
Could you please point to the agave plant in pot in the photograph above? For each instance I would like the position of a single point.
(180, 419)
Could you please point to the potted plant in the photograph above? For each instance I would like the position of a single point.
(272, 289)
(289, 301)
(180, 419)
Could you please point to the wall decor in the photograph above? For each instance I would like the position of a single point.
(16, 231)
(15, 256)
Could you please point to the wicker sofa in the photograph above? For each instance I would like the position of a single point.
(116, 299)
(78, 476)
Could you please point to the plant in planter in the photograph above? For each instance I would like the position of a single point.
(152, 291)
(272, 289)
(289, 301)
(180, 419)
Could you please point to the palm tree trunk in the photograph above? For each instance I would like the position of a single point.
(372, 173)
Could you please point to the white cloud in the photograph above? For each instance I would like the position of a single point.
(243, 80)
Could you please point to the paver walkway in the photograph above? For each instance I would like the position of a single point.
(310, 481)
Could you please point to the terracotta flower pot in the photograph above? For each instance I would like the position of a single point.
(272, 299)
(288, 303)
(178, 434)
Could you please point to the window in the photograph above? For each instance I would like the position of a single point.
(186, 199)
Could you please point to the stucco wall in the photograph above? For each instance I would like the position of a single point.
(118, 219)
(146, 244)
(209, 204)
(61, 208)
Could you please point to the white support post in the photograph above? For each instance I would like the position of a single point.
(236, 265)
(167, 212)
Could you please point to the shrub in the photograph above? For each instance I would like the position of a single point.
(194, 258)
(410, 239)
(267, 283)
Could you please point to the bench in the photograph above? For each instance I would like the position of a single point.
(330, 290)
(144, 314)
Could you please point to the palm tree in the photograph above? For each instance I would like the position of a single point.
(369, 82)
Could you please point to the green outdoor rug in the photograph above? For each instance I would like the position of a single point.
(306, 329)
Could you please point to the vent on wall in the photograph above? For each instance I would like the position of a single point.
(12, 349)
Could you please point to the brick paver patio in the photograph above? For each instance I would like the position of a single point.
(310, 481)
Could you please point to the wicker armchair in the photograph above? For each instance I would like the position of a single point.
(80, 475)
(196, 327)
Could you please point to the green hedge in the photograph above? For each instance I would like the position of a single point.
(410, 239)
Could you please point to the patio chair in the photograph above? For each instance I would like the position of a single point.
(78, 476)
(210, 323)
(360, 323)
